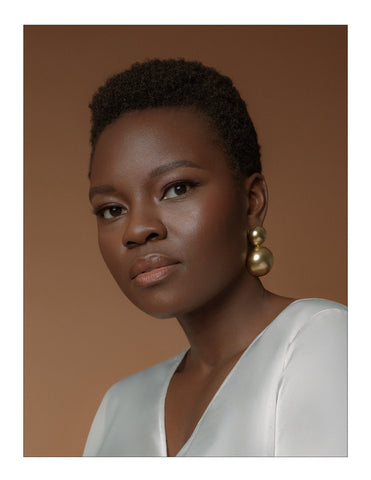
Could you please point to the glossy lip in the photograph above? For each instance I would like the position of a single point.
(151, 268)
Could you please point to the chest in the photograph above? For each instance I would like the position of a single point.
(188, 397)
(157, 416)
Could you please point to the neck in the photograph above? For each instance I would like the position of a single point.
(222, 329)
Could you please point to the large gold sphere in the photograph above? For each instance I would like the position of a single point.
(257, 235)
(260, 261)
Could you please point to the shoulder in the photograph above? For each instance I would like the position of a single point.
(315, 306)
(131, 401)
(314, 313)
(312, 389)
(312, 326)
(317, 333)
(135, 386)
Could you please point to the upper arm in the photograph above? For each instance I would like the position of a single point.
(311, 415)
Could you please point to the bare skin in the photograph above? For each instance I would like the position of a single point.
(162, 187)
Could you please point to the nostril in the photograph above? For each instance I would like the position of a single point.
(151, 236)
(130, 244)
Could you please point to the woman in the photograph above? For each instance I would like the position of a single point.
(177, 188)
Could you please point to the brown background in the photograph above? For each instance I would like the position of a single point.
(81, 334)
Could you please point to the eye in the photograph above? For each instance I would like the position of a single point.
(109, 213)
(178, 189)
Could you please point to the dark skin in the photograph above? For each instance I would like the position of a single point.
(162, 186)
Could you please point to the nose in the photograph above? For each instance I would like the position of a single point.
(143, 227)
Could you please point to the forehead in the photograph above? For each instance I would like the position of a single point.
(145, 139)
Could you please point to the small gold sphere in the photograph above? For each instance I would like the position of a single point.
(257, 235)
(260, 261)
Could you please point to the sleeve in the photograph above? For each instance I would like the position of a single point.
(311, 415)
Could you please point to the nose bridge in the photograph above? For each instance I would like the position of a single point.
(143, 224)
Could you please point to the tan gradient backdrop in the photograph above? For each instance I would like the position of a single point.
(81, 334)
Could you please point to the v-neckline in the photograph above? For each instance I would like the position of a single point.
(177, 361)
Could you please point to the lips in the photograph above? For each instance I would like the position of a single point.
(150, 263)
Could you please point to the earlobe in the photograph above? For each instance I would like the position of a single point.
(256, 194)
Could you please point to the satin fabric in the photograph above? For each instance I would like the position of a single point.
(286, 396)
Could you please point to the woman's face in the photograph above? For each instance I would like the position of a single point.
(172, 224)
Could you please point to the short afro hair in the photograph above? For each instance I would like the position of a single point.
(180, 83)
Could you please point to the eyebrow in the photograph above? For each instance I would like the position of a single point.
(101, 189)
(153, 173)
(171, 166)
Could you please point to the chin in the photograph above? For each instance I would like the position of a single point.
(155, 305)
(163, 306)
(162, 316)
(165, 310)
(158, 311)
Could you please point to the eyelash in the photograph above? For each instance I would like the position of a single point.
(190, 183)
(100, 211)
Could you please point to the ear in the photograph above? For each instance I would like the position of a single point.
(256, 196)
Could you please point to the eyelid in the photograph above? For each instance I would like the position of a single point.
(99, 210)
(174, 183)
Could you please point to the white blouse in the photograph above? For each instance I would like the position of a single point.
(286, 396)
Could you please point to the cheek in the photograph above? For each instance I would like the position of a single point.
(209, 236)
(217, 242)
(110, 247)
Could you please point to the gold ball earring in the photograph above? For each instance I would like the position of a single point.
(260, 259)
